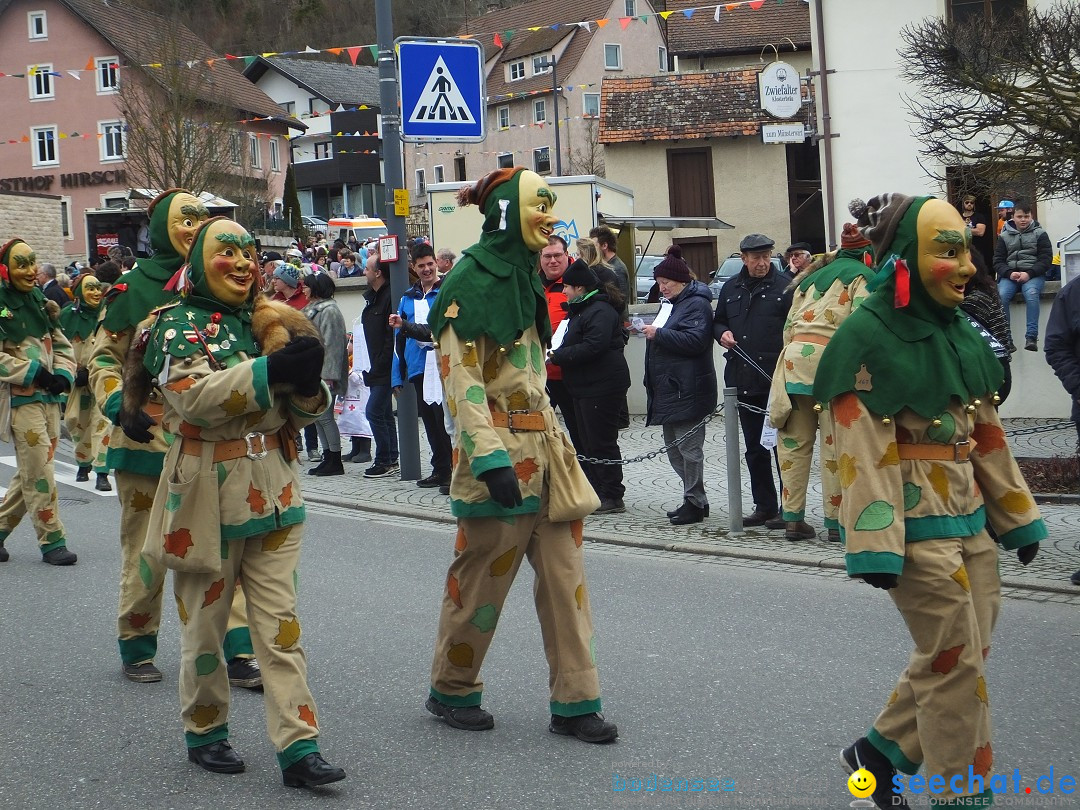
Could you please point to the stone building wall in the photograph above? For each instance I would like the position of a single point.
(36, 219)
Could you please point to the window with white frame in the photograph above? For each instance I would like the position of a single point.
(254, 154)
(114, 201)
(612, 56)
(43, 146)
(234, 148)
(631, 8)
(107, 73)
(542, 160)
(540, 64)
(324, 150)
(421, 183)
(438, 174)
(504, 117)
(539, 111)
(517, 70)
(37, 24)
(506, 160)
(590, 105)
(65, 218)
(275, 158)
(661, 55)
(41, 81)
(111, 140)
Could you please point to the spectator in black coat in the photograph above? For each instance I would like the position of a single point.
(680, 379)
(750, 314)
(379, 338)
(46, 277)
(596, 375)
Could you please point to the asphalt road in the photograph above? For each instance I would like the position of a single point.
(751, 673)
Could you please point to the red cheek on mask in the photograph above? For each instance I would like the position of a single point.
(941, 271)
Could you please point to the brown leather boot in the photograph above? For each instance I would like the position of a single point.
(799, 530)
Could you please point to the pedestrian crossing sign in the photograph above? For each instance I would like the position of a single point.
(441, 89)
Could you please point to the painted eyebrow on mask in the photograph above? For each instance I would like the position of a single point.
(247, 240)
(548, 193)
(954, 237)
(194, 210)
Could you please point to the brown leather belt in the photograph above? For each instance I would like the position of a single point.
(155, 410)
(519, 420)
(820, 340)
(959, 452)
(254, 446)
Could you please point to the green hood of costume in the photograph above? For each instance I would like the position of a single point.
(846, 266)
(495, 284)
(919, 356)
(142, 289)
(78, 319)
(22, 314)
(224, 329)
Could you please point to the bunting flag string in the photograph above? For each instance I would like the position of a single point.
(499, 38)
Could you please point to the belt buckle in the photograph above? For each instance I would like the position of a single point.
(956, 452)
(252, 453)
(510, 421)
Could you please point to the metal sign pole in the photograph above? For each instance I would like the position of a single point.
(734, 473)
(408, 431)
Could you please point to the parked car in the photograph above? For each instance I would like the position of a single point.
(645, 265)
(315, 224)
(731, 267)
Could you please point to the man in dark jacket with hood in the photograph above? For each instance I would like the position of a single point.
(379, 338)
(680, 379)
(749, 323)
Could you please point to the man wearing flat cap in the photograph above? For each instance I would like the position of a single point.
(749, 322)
(797, 258)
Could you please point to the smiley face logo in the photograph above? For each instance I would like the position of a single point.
(861, 783)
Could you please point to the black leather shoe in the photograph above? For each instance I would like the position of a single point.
(467, 718)
(1074, 579)
(142, 673)
(245, 673)
(5, 556)
(759, 518)
(674, 512)
(861, 754)
(83, 474)
(102, 484)
(686, 514)
(433, 480)
(311, 771)
(590, 728)
(59, 556)
(218, 757)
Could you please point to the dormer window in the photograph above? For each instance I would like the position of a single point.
(517, 70)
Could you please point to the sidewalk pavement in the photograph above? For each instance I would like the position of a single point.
(652, 488)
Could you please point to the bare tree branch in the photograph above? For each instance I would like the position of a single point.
(1000, 96)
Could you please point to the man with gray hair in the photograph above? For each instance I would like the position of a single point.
(46, 277)
(444, 260)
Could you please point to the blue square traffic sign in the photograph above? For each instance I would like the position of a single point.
(442, 89)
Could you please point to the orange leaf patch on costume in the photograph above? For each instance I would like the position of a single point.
(577, 529)
(182, 384)
(988, 438)
(286, 496)
(138, 620)
(177, 543)
(213, 593)
(846, 409)
(460, 542)
(844, 297)
(984, 760)
(526, 469)
(305, 713)
(946, 660)
(444, 365)
(45, 515)
(453, 589)
(256, 500)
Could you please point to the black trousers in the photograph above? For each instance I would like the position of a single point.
(560, 398)
(759, 461)
(432, 417)
(598, 426)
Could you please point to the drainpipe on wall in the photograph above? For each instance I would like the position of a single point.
(826, 135)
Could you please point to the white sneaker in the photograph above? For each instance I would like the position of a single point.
(314, 455)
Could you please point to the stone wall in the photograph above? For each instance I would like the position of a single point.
(36, 219)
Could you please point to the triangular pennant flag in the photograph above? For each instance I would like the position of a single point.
(74, 135)
(756, 4)
(335, 51)
(731, 6)
(374, 51)
(89, 64)
(191, 63)
(601, 23)
(25, 139)
(555, 27)
(666, 14)
(210, 63)
(268, 54)
(508, 35)
(231, 56)
(340, 108)
(309, 49)
(644, 18)
(353, 52)
(534, 28)
(75, 74)
(688, 12)
(625, 21)
(716, 14)
(584, 25)
(498, 41)
(248, 60)
(63, 135)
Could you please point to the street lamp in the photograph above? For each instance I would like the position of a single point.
(544, 65)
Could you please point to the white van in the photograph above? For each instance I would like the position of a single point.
(359, 228)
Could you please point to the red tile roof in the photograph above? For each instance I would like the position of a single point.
(741, 30)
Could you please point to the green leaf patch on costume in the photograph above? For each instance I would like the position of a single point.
(536, 357)
(945, 431)
(790, 443)
(517, 355)
(485, 618)
(468, 443)
(172, 501)
(807, 349)
(875, 517)
(475, 394)
(145, 573)
(912, 496)
(206, 663)
(42, 485)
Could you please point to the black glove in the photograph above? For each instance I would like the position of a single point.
(502, 483)
(82, 377)
(1026, 554)
(136, 426)
(53, 383)
(884, 581)
(299, 362)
